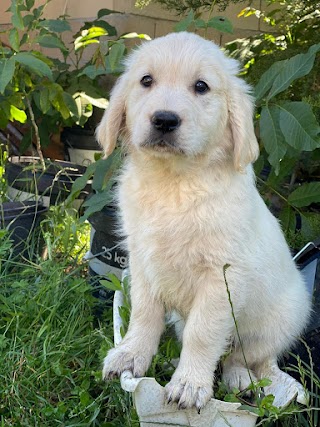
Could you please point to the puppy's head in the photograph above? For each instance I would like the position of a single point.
(180, 96)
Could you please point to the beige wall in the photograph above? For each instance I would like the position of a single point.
(151, 20)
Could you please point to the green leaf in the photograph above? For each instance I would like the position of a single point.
(288, 219)
(296, 67)
(221, 24)
(44, 133)
(97, 102)
(299, 126)
(271, 135)
(267, 401)
(85, 398)
(116, 70)
(135, 36)
(59, 104)
(24, 39)
(27, 20)
(267, 79)
(264, 382)
(29, 60)
(114, 285)
(51, 41)
(116, 53)
(70, 103)
(92, 71)
(200, 23)
(185, 23)
(16, 19)
(44, 100)
(14, 39)
(105, 169)
(105, 12)
(30, 4)
(17, 114)
(80, 183)
(110, 29)
(306, 227)
(305, 195)
(55, 25)
(287, 166)
(7, 68)
(95, 204)
(38, 11)
(89, 36)
(314, 49)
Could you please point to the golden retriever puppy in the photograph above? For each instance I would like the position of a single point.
(189, 206)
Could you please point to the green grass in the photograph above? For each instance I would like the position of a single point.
(52, 345)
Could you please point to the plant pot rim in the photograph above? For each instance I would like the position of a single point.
(72, 168)
(21, 209)
(55, 181)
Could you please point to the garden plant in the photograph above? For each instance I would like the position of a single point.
(51, 339)
(47, 92)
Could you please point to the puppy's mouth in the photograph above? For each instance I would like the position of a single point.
(162, 145)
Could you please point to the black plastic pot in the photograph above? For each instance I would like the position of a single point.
(106, 255)
(80, 145)
(22, 220)
(308, 260)
(25, 176)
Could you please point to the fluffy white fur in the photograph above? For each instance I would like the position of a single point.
(189, 207)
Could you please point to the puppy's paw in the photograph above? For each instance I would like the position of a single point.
(120, 359)
(238, 377)
(188, 393)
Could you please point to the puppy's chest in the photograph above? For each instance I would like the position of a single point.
(174, 236)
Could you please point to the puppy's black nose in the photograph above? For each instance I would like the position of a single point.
(165, 121)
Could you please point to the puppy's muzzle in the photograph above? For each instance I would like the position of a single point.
(162, 137)
(165, 121)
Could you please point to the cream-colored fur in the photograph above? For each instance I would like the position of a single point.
(190, 206)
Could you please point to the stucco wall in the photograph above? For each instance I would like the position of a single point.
(151, 20)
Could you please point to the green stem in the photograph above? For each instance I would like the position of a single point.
(36, 132)
(211, 8)
(277, 193)
(225, 267)
(209, 17)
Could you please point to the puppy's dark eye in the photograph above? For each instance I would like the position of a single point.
(201, 87)
(146, 81)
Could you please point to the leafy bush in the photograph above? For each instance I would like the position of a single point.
(287, 99)
(48, 93)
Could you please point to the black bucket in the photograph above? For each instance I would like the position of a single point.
(21, 219)
(105, 245)
(308, 260)
(24, 175)
(106, 256)
(79, 138)
(80, 145)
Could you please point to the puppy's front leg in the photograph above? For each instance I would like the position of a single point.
(141, 342)
(205, 336)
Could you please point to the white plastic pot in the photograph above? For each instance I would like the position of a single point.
(153, 411)
(149, 399)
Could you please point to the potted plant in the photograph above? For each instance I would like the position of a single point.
(105, 256)
(47, 93)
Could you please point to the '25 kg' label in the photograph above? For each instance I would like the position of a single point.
(115, 257)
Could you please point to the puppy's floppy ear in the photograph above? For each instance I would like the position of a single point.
(241, 105)
(112, 124)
